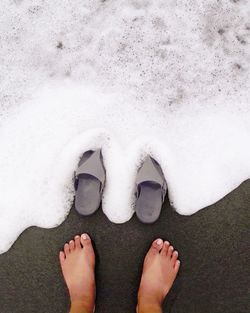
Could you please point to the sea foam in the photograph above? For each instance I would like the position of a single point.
(166, 78)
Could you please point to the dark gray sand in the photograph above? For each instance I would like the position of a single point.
(214, 247)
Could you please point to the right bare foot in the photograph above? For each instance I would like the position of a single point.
(78, 263)
(159, 272)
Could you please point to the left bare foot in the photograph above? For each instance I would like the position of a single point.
(78, 263)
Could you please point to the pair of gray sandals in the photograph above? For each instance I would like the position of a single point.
(90, 177)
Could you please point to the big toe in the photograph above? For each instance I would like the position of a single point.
(156, 246)
(87, 244)
(85, 240)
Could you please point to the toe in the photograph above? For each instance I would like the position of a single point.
(71, 245)
(66, 249)
(87, 244)
(174, 257)
(61, 257)
(77, 242)
(170, 251)
(85, 240)
(156, 246)
(165, 248)
(177, 266)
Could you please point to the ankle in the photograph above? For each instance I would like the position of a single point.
(81, 307)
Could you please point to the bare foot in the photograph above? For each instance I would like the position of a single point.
(159, 272)
(78, 263)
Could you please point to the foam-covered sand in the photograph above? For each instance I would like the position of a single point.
(169, 78)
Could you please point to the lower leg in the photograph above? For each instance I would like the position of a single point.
(78, 263)
(159, 272)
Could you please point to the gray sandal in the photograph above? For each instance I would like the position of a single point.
(89, 182)
(151, 188)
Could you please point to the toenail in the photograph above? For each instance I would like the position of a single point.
(158, 242)
(84, 236)
(166, 243)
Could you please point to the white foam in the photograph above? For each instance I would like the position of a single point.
(135, 77)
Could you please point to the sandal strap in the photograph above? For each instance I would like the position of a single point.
(151, 172)
(93, 166)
